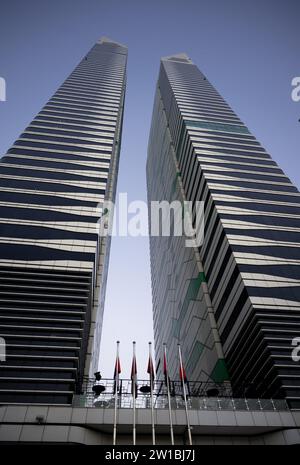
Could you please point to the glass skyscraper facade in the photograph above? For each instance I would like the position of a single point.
(233, 303)
(53, 262)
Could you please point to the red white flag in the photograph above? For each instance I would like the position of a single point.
(116, 374)
(166, 374)
(117, 368)
(150, 370)
(134, 377)
(182, 374)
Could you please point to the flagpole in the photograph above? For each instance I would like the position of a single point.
(184, 396)
(151, 392)
(116, 394)
(134, 393)
(169, 397)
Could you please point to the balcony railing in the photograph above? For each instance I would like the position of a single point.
(200, 396)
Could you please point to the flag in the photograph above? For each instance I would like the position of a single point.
(150, 370)
(116, 391)
(166, 374)
(182, 374)
(165, 368)
(116, 374)
(183, 378)
(117, 368)
(184, 382)
(167, 382)
(134, 377)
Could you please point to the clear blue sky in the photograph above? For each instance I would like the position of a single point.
(248, 49)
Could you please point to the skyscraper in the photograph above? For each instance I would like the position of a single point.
(53, 263)
(233, 303)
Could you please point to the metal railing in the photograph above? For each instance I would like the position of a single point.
(201, 396)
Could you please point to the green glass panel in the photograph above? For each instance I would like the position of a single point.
(220, 373)
(191, 294)
(174, 184)
(218, 126)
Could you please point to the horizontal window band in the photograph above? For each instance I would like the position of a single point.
(223, 127)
